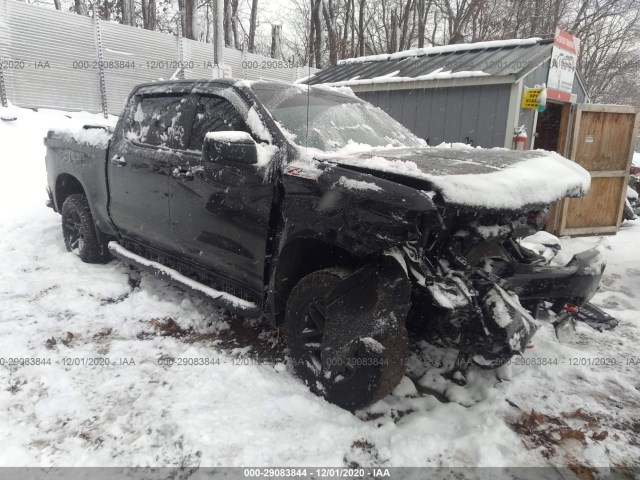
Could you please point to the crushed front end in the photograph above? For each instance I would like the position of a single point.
(478, 289)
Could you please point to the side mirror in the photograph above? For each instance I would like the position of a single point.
(229, 147)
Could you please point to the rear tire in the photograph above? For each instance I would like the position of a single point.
(79, 230)
(375, 368)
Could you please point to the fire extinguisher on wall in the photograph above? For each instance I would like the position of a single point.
(520, 138)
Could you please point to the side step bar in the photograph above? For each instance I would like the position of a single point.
(222, 299)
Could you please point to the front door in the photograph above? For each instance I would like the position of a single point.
(220, 212)
(139, 166)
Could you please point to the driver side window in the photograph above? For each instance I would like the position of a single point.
(214, 114)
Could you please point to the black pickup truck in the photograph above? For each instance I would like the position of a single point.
(319, 211)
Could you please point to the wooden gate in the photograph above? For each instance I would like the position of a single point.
(603, 140)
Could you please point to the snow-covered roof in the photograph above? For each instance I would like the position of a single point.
(501, 58)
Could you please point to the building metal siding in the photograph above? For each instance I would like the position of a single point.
(474, 114)
(35, 35)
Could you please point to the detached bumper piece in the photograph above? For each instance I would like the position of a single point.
(596, 318)
(574, 283)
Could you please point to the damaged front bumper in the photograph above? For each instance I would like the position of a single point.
(574, 283)
(489, 316)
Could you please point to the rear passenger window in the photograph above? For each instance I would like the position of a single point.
(159, 120)
(214, 114)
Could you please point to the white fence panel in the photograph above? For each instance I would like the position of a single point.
(38, 50)
(52, 59)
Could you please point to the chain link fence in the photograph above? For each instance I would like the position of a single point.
(53, 59)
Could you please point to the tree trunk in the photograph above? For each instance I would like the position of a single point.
(312, 34)
(317, 47)
(227, 23)
(361, 29)
(191, 19)
(330, 19)
(276, 49)
(149, 14)
(57, 4)
(128, 12)
(234, 24)
(345, 33)
(253, 25)
(422, 22)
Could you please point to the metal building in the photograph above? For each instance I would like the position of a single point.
(467, 93)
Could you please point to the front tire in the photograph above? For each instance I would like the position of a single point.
(375, 364)
(79, 230)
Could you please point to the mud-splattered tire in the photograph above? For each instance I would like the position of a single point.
(382, 368)
(79, 231)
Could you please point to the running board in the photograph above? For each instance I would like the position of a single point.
(222, 299)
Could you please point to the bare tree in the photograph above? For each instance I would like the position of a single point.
(253, 24)
(128, 12)
(149, 14)
(190, 23)
(329, 13)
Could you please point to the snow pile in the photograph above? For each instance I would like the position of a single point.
(459, 47)
(9, 113)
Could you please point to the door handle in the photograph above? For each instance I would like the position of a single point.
(182, 173)
(118, 161)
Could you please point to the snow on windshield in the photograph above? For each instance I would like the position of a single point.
(327, 121)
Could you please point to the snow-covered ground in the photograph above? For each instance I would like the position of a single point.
(245, 407)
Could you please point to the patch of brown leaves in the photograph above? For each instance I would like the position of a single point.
(550, 433)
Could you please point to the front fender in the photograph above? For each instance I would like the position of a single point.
(358, 212)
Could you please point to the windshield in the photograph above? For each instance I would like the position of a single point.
(334, 120)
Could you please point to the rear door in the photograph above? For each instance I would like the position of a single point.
(220, 212)
(139, 165)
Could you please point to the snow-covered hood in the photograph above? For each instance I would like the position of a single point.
(490, 178)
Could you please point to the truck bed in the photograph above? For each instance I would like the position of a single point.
(78, 153)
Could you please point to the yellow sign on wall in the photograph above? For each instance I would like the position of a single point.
(530, 98)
